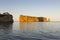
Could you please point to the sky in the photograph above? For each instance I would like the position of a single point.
(45, 8)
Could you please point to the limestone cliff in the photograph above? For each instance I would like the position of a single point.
(24, 18)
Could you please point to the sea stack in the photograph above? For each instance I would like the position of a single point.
(6, 17)
(24, 18)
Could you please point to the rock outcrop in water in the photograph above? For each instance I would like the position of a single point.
(24, 18)
(6, 17)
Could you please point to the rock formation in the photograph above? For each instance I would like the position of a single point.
(6, 17)
(24, 18)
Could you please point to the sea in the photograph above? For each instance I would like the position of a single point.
(30, 31)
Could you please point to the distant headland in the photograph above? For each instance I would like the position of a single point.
(6, 17)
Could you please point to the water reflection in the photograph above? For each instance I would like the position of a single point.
(31, 29)
(32, 26)
(5, 28)
(44, 30)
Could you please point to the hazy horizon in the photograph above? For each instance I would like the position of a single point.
(45, 8)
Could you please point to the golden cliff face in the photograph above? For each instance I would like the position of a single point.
(23, 18)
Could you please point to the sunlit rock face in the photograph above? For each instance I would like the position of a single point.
(24, 18)
(6, 17)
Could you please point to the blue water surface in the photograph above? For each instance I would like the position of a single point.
(30, 31)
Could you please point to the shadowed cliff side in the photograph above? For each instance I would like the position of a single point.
(6, 17)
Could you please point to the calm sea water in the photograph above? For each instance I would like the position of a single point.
(30, 31)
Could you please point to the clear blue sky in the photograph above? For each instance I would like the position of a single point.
(46, 8)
